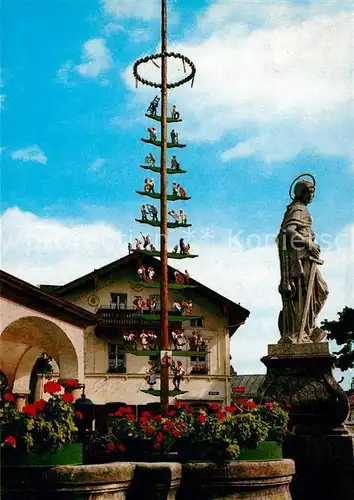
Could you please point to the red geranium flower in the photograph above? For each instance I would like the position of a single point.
(177, 404)
(128, 409)
(157, 446)
(201, 419)
(149, 430)
(214, 407)
(269, 406)
(220, 415)
(175, 433)
(172, 413)
(159, 437)
(29, 409)
(158, 418)
(146, 414)
(9, 397)
(231, 409)
(131, 417)
(143, 420)
(121, 448)
(110, 447)
(39, 404)
(52, 387)
(185, 406)
(79, 415)
(11, 441)
(250, 404)
(72, 383)
(67, 397)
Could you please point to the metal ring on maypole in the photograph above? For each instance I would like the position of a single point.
(297, 178)
(159, 56)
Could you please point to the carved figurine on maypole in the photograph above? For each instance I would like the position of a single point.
(152, 339)
(149, 185)
(178, 374)
(178, 339)
(150, 375)
(174, 113)
(174, 137)
(150, 160)
(146, 241)
(152, 133)
(196, 342)
(138, 304)
(144, 340)
(174, 163)
(152, 109)
(151, 304)
(183, 248)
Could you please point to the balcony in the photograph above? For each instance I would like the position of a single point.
(127, 317)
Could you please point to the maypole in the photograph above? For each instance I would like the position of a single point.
(180, 219)
(163, 208)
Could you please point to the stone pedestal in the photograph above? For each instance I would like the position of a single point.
(155, 481)
(322, 447)
(268, 480)
(83, 482)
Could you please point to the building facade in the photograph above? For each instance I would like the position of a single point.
(116, 373)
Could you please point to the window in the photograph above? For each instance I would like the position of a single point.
(199, 365)
(156, 362)
(116, 359)
(119, 300)
(197, 322)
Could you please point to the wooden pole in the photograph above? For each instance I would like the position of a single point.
(163, 210)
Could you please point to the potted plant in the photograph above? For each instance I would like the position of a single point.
(276, 418)
(42, 433)
(214, 434)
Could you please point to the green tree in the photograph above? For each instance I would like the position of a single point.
(342, 332)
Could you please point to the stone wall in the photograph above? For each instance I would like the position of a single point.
(150, 481)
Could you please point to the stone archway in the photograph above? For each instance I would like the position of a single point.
(23, 341)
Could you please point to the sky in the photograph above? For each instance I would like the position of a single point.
(272, 99)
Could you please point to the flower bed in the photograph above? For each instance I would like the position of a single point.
(40, 429)
(187, 434)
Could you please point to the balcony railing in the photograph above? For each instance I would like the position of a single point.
(110, 317)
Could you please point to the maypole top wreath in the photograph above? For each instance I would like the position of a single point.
(159, 56)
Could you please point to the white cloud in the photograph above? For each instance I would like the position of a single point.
(140, 9)
(140, 35)
(52, 251)
(65, 70)
(286, 83)
(97, 164)
(47, 250)
(96, 58)
(112, 29)
(32, 153)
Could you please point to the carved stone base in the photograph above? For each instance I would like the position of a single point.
(323, 449)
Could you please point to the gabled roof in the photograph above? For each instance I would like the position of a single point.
(251, 383)
(30, 296)
(237, 314)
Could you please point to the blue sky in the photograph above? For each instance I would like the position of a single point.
(273, 97)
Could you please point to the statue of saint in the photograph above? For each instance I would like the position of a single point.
(302, 288)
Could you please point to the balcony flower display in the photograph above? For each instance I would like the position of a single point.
(214, 433)
(40, 429)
